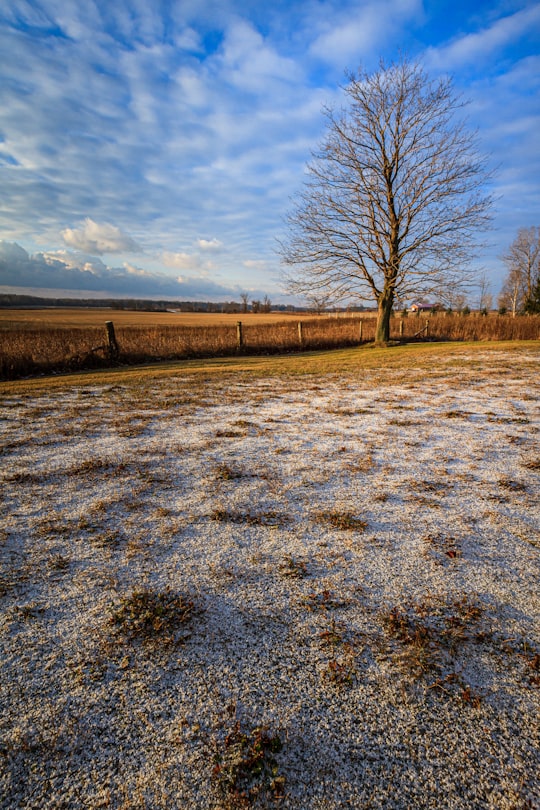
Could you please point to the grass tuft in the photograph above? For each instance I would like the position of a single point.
(224, 472)
(146, 614)
(443, 546)
(430, 633)
(345, 521)
(268, 518)
(245, 769)
(293, 568)
(341, 671)
(323, 600)
(512, 485)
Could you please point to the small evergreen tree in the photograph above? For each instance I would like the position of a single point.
(532, 304)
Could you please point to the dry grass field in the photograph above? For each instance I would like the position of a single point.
(305, 582)
(64, 317)
(53, 341)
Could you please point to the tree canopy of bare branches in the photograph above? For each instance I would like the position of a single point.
(395, 196)
(523, 263)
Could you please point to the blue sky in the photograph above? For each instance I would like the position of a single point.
(151, 148)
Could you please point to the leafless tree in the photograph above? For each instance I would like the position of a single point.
(512, 295)
(457, 300)
(244, 298)
(394, 199)
(320, 300)
(523, 263)
(485, 299)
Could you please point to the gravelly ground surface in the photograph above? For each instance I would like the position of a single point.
(349, 563)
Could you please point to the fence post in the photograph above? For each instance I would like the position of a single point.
(239, 335)
(427, 328)
(360, 331)
(401, 328)
(300, 335)
(112, 346)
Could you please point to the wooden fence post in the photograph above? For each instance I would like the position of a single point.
(300, 335)
(427, 328)
(401, 327)
(112, 345)
(239, 335)
(360, 331)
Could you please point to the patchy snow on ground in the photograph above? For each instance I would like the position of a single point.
(305, 592)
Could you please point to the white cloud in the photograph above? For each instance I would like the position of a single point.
(255, 264)
(161, 135)
(189, 40)
(350, 35)
(74, 260)
(137, 271)
(193, 89)
(209, 244)
(19, 271)
(251, 62)
(188, 261)
(181, 261)
(485, 43)
(199, 119)
(11, 252)
(98, 238)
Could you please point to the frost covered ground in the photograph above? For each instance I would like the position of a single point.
(303, 592)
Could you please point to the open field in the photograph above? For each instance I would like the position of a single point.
(307, 582)
(63, 317)
(34, 346)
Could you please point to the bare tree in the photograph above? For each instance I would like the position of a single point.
(512, 295)
(485, 299)
(393, 203)
(266, 304)
(457, 300)
(523, 263)
(319, 300)
(244, 298)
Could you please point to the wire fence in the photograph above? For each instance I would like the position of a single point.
(45, 350)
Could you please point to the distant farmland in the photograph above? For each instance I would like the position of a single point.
(86, 317)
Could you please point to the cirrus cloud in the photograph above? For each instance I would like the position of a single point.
(191, 122)
(487, 42)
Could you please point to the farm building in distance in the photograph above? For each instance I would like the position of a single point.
(424, 306)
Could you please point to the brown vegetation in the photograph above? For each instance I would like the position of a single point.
(45, 349)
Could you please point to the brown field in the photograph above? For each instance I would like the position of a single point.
(84, 317)
(33, 342)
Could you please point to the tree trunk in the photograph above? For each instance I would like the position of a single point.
(382, 332)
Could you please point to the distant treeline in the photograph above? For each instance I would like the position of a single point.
(13, 301)
(8, 300)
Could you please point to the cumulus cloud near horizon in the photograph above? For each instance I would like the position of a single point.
(99, 238)
(60, 271)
